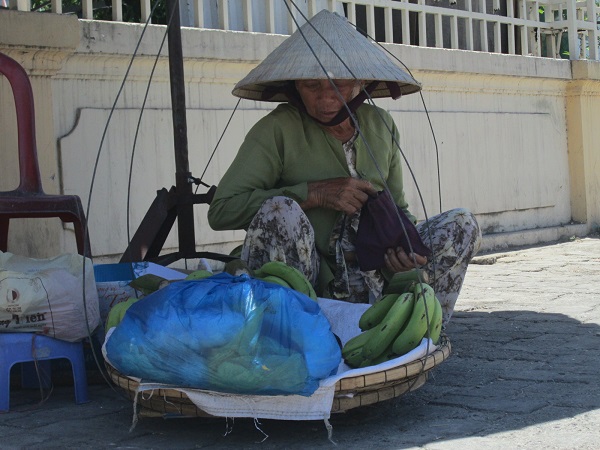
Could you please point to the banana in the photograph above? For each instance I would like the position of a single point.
(357, 342)
(291, 275)
(276, 280)
(386, 355)
(148, 283)
(435, 324)
(416, 326)
(199, 275)
(403, 281)
(355, 358)
(117, 312)
(376, 312)
(390, 326)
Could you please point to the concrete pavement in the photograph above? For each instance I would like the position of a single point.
(523, 374)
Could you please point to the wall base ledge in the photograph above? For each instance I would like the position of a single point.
(502, 241)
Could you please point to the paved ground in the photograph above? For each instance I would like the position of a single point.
(523, 375)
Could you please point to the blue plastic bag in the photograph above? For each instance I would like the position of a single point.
(228, 334)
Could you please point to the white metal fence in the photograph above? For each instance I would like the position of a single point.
(550, 28)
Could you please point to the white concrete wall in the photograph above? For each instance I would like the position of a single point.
(500, 123)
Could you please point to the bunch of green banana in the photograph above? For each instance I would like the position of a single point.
(284, 275)
(381, 323)
(395, 325)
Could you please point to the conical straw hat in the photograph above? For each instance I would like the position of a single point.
(357, 58)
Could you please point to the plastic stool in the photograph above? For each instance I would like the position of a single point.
(26, 348)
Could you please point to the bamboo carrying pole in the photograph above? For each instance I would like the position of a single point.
(183, 186)
(177, 203)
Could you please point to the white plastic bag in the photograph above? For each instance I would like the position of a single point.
(46, 296)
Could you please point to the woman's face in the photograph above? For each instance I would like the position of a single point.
(321, 99)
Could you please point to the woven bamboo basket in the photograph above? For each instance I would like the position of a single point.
(351, 392)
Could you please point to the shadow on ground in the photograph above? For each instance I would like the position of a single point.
(508, 370)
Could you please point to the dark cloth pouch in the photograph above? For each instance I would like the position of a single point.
(380, 228)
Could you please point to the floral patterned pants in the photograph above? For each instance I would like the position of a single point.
(454, 238)
(280, 231)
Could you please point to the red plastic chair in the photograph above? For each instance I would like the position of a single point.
(29, 199)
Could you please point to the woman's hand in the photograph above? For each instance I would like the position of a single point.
(396, 260)
(347, 195)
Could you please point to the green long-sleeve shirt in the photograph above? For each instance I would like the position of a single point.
(285, 151)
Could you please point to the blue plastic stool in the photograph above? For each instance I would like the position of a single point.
(31, 349)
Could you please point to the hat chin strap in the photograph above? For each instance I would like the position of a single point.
(343, 114)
